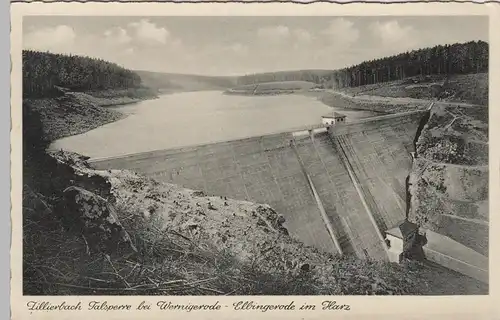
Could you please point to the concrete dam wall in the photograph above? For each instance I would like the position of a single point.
(338, 189)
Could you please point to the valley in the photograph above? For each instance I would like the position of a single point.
(238, 178)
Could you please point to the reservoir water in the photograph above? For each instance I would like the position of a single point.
(192, 118)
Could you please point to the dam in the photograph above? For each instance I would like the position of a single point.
(338, 188)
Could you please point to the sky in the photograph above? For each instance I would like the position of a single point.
(243, 45)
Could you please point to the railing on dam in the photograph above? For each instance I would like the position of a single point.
(153, 153)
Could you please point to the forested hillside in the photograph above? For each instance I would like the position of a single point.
(444, 60)
(470, 57)
(43, 70)
(70, 93)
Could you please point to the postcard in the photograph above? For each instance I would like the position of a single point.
(230, 160)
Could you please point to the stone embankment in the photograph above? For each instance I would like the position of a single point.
(449, 181)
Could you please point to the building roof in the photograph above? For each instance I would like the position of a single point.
(334, 115)
(403, 229)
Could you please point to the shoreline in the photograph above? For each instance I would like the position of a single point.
(323, 95)
(311, 95)
(73, 113)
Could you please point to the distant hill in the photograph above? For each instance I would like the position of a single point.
(272, 88)
(314, 76)
(442, 60)
(174, 82)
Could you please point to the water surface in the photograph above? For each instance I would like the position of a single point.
(191, 118)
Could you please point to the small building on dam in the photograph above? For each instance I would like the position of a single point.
(401, 239)
(333, 118)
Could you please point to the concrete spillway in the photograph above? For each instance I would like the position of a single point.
(379, 153)
(353, 174)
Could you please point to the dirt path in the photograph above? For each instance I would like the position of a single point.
(392, 100)
(484, 223)
(478, 167)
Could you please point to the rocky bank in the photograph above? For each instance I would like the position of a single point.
(70, 113)
(449, 179)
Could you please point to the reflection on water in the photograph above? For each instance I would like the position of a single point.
(191, 118)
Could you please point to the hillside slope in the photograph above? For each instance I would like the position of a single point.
(469, 88)
(451, 59)
(449, 179)
(74, 113)
(378, 104)
(70, 93)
